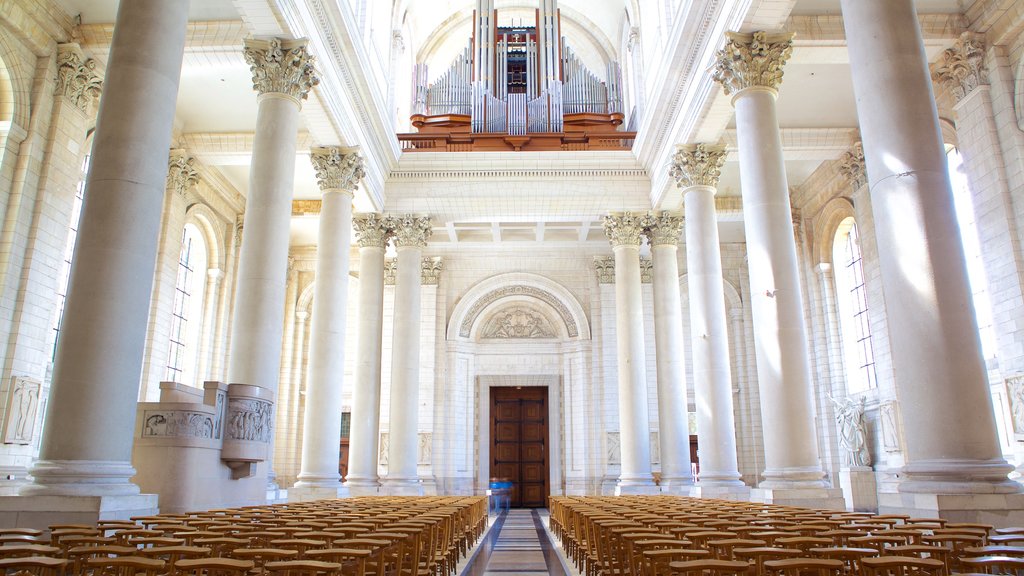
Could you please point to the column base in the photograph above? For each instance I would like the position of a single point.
(636, 485)
(401, 487)
(739, 492)
(826, 498)
(362, 486)
(999, 510)
(951, 476)
(859, 487)
(681, 486)
(307, 492)
(81, 478)
(41, 511)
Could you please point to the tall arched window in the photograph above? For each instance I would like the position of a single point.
(69, 250)
(187, 314)
(972, 251)
(852, 304)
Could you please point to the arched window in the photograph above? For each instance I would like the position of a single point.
(187, 314)
(852, 304)
(69, 249)
(972, 251)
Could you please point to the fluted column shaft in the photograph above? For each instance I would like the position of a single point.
(365, 428)
(87, 441)
(624, 231)
(663, 231)
(949, 428)
(410, 237)
(696, 169)
(339, 171)
(780, 341)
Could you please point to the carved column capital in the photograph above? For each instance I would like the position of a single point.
(430, 270)
(605, 266)
(281, 66)
(77, 79)
(410, 230)
(697, 165)
(963, 66)
(663, 228)
(750, 60)
(338, 168)
(852, 166)
(181, 173)
(624, 228)
(371, 230)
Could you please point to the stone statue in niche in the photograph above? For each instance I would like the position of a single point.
(518, 323)
(852, 431)
(22, 407)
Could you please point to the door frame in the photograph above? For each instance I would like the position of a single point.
(553, 382)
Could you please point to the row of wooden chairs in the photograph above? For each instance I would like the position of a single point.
(666, 535)
(371, 536)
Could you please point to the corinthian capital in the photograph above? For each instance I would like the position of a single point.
(410, 230)
(338, 168)
(77, 79)
(624, 228)
(752, 60)
(963, 66)
(663, 228)
(697, 165)
(371, 230)
(852, 166)
(281, 66)
(181, 173)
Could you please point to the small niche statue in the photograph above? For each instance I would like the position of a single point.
(852, 430)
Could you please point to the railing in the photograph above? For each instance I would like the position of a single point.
(498, 142)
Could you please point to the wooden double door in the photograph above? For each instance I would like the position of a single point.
(519, 442)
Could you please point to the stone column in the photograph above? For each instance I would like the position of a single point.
(750, 67)
(338, 171)
(663, 232)
(411, 235)
(624, 231)
(941, 380)
(373, 235)
(283, 75)
(87, 441)
(696, 171)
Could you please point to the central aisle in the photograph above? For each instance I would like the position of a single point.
(517, 544)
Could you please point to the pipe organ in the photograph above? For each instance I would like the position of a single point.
(516, 80)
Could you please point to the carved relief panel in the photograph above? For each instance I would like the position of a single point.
(22, 408)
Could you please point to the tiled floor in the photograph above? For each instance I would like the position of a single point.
(518, 545)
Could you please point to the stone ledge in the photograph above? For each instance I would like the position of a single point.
(41, 511)
(999, 510)
(827, 498)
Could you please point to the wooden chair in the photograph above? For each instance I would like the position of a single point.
(351, 561)
(213, 567)
(708, 568)
(994, 564)
(758, 555)
(804, 543)
(22, 550)
(19, 539)
(941, 553)
(901, 566)
(850, 556)
(302, 568)
(805, 567)
(124, 566)
(32, 566)
(79, 555)
(656, 562)
(990, 550)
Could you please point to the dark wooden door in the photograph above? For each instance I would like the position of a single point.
(519, 438)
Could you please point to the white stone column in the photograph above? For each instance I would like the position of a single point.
(338, 171)
(663, 232)
(624, 231)
(283, 75)
(750, 67)
(87, 440)
(696, 171)
(411, 235)
(373, 235)
(941, 380)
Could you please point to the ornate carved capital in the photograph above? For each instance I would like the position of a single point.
(77, 79)
(181, 173)
(605, 266)
(430, 270)
(852, 166)
(963, 65)
(663, 228)
(338, 168)
(752, 60)
(410, 230)
(624, 228)
(697, 165)
(371, 230)
(281, 66)
(634, 38)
